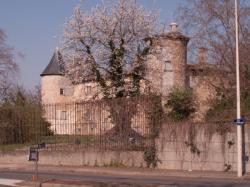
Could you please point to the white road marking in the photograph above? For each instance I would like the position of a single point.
(9, 182)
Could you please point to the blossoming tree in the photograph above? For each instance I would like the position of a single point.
(107, 45)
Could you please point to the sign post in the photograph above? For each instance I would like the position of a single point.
(34, 156)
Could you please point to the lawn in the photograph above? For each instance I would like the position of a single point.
(13, 147)
(68, 142)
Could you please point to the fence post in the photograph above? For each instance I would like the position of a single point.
(100, 123)
(55, 126)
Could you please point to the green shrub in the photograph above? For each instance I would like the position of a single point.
(222, 108)
(22, 124)
(22, 121)
(150, 157)
(181, 104)
(155, 115)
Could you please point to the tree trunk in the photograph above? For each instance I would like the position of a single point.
(122, 112)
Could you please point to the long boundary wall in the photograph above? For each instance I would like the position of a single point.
(216, 153)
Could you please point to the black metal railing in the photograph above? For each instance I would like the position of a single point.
(115, 124)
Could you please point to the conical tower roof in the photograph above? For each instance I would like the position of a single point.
(53, 68)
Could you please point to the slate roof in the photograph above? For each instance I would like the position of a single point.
(53, 68)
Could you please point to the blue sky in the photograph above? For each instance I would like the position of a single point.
(34, 28)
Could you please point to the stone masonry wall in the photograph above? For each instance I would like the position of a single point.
(166, 64)
(216, 154)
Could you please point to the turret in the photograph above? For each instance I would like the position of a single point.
(170, 58)
(54, 85)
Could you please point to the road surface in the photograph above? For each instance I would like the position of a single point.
(137, 181)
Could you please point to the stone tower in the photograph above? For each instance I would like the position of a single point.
(168, 60)
(54, 85)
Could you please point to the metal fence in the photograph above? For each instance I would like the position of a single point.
(22, 125)
(117, 124)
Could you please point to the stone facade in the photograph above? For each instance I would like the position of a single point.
(166, 68)
(166, 64)
(167, 61)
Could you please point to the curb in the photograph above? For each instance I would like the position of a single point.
(136, 172)
(69, 183)
(54, 183)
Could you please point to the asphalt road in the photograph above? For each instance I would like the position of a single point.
(137, 181)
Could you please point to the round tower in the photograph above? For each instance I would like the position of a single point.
(54, 85)
(170, 53)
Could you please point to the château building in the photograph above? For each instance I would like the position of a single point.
(167, 68)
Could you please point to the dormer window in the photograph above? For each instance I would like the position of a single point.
(167, 66)
(61, 91)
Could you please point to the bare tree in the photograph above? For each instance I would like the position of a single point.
(8, 67)
(211, 24)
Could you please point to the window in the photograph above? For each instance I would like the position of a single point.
(106, 120)
(167, 66)
(61, 114)
(61, 91)
(88, 90)
(87, 115)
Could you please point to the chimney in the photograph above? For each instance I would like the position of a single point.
(173, 26)
(202, 56)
